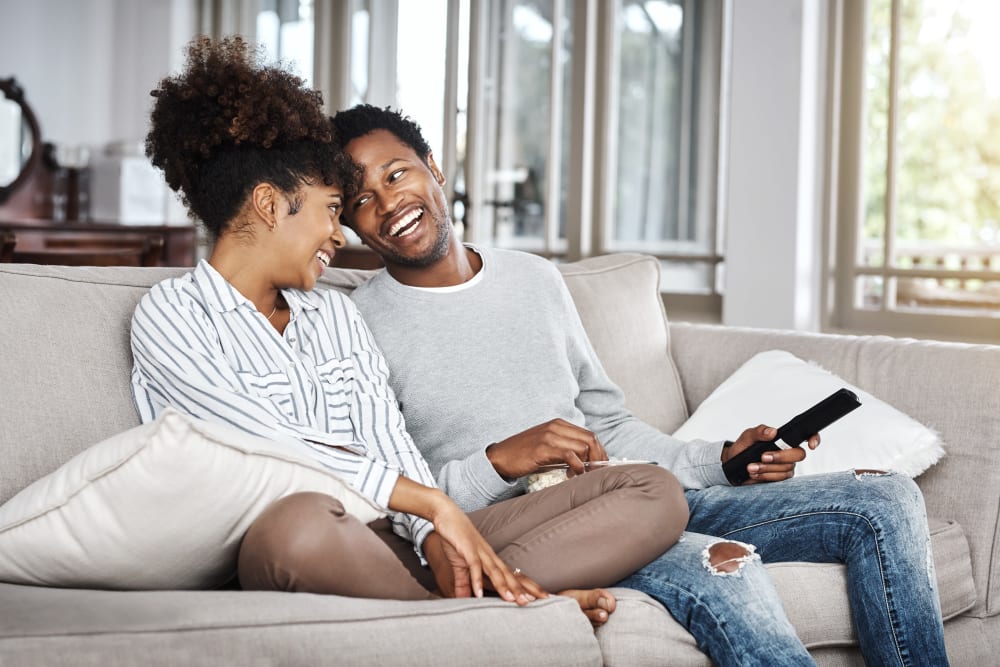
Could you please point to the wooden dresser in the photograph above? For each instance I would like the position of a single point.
(48, 242)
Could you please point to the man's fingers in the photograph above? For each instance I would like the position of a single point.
(580, 440)
(575, 462)
(773, 476)
(764, 432)
(597, 452)
(791, 455)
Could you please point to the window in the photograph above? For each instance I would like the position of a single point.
(598, 130)
(920, 169)
(285, 30)
(665, 117)
(565, 127)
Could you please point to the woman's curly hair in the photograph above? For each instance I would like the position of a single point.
(228, 122)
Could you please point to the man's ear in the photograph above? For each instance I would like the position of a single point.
(264, 200)
(438, 176)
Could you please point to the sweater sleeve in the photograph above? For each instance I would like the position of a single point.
(696, 464)
(473, 482)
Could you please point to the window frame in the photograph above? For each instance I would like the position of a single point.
(845, 212)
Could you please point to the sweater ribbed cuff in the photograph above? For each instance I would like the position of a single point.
(489, 482)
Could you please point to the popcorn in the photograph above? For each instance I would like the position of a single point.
(543, 480)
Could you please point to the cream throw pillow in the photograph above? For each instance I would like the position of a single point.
(160, 506)
(774, 386)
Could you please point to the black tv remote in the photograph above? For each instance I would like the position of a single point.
(794, 433)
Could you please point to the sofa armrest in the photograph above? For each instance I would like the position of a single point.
(949, 387)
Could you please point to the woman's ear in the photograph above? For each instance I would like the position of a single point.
(264, 201)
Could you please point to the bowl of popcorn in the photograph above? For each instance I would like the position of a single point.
(550, 475)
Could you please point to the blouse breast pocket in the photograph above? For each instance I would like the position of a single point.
(275, 387)
(336, 376)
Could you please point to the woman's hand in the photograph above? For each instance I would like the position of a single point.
(461, 559)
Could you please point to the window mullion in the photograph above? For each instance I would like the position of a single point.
(889, 232)
(606, 108)
(479, 226)
(579, 208)
(332, 52)
(554, 166)
(448, 159)
(382, 42)
(688, 42)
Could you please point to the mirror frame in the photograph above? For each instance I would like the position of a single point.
(13, 92)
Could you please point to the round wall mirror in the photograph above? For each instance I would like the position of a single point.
(19, 137)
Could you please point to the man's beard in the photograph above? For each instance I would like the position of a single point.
(436, 252)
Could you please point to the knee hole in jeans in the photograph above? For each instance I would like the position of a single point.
(858, 474)
(727, 558)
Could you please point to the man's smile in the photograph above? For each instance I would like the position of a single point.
(407, 223)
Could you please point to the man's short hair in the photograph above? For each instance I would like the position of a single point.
(365, 118)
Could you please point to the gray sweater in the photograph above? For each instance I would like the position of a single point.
(478, 365)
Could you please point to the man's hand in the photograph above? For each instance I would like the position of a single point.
(553, 442)
(774, 466)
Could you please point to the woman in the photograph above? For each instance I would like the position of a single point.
(243, 339)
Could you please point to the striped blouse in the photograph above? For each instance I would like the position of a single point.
(203, 348)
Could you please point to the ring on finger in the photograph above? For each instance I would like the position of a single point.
(517, 570)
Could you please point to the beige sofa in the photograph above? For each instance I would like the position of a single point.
(64, 365)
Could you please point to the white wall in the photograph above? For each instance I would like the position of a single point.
(68, 57)
(773, 197)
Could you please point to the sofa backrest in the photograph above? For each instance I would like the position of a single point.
(65, 357)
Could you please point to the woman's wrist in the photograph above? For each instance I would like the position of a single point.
(415, 498)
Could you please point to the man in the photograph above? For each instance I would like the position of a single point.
(496, 378)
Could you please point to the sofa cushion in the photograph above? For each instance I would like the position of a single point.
(641, 632)
(160, 506)
(45, 626)
(618, 298)
(774, 386)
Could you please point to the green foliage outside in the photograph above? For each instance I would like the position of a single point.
(948, 125)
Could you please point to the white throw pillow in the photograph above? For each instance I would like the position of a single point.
(774, 386)
(160, 506)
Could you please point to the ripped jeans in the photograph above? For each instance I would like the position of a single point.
(875, 524)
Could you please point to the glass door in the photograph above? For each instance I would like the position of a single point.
(519, 121)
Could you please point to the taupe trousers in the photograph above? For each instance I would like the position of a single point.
(587, 532)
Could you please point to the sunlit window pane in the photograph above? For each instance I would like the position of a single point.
(524, 103)
(649, 122)
(420, 65)
(947, 169)
(286, 31)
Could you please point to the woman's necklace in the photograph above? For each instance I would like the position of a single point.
(276, 302)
